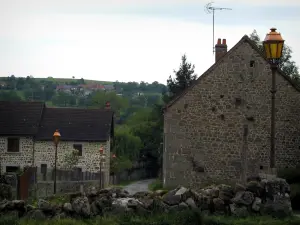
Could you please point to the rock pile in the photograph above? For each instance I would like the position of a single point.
(257, 197)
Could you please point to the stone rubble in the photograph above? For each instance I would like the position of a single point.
(265, 197)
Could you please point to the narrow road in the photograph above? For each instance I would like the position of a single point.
(138, 186)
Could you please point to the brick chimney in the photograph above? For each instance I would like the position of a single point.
(220, 49)
(107, 105)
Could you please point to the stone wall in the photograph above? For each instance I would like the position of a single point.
(89, 161)
(22, 158)
(220, 129)
(43, 152)
(45, 189)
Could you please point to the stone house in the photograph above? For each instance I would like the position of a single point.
(26, 130)
(219, 128)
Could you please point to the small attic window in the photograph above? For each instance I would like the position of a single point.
(252, 63)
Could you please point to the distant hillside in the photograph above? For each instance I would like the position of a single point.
(80, 92)
(69, 80)
(64, 80)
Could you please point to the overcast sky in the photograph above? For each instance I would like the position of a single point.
(129, 40)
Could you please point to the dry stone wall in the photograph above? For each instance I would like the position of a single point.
(257, 197)
(220, 129)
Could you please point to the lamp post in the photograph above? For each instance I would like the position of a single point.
(102, 158)
(56, 139)
(113, 157)
(273, 46)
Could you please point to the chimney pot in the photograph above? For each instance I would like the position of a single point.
(220, 49)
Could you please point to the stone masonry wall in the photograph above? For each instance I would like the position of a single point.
(45, 189)
(22, 158)
(221, 128)
(89, 161)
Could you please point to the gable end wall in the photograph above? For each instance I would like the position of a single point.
(222, 124)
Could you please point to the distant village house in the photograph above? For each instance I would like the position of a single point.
(26, 132)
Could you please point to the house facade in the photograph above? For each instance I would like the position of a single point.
(26, 137)
(219, 128)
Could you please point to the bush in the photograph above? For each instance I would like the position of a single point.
(11, 219)
(188, 217)
(156, 185)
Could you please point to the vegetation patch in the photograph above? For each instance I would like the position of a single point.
(156, 185)
(189, 217)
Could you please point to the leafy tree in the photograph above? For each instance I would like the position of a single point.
(71, 160)
(286, 64)
(126, 143)
(9, 96)
(119, 164)
(64, 99)
(118, 103)
(184, 77)
(147, 124)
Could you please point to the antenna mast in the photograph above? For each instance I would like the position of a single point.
(210, 9)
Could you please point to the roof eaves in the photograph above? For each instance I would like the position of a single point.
(288, 78)
(74, 139)
(244, 38)
(204, 74)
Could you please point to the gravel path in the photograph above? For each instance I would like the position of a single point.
(138, 186)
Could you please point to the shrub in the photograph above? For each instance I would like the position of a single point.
(11, 219)
(188, 217)
(156, 185)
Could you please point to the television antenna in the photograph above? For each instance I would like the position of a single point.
(211, 9)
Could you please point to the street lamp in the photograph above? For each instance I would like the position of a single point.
(56, 139)
(114, 157)
(273, 46)
(102, 158)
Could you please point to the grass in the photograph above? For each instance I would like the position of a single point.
(179, 218)
(155, 185)
(158, 185)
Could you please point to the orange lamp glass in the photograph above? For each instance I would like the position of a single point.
(56, 137)
(273, 45)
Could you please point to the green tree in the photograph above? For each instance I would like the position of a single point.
(71, 160)
(147, 124)
(119, 164)
(184, 77)
(126, 143)
(118, 103)
(9, 96)
(286, 64)
(64, 99)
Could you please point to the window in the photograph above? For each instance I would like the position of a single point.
(261, 167)
(13, 145)
(44, 171)
(44, 168)
(12, 169)
(78, 147)
(252, 63)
